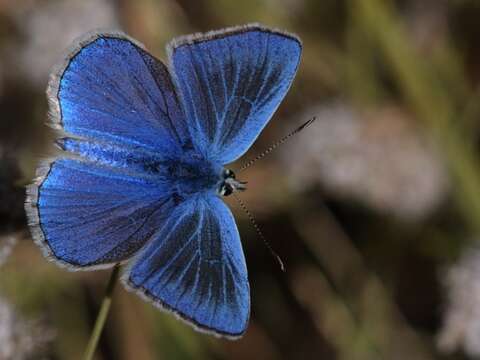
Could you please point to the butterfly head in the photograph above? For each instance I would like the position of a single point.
(230, 184)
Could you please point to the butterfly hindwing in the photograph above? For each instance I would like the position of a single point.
(231, 82)
(88, 216)
(195, 268)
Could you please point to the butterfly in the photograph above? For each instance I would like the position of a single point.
(142, 171)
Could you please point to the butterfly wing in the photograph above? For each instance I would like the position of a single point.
(194, 267)
(87, 216)
(121, 119)
(110, 89)
(231, 82)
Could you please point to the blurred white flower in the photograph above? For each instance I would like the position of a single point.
(461, 329)
(49, 27)
(6, 245)
(21, 339)
(380, 159)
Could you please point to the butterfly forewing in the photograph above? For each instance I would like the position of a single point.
(111, 90)
(231, 82)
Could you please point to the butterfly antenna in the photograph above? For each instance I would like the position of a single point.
(259, 232)
(276, 144)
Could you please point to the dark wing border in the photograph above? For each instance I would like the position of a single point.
(222, 33)
(159, 304)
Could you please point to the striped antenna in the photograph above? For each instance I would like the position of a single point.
(259, 232)
(276, 144)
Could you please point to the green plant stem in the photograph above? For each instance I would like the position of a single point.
(102, 315)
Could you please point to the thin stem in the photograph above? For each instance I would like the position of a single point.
(102, 315)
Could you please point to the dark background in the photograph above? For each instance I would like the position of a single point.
(375, 208)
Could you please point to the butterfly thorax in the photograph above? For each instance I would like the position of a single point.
(192, 174)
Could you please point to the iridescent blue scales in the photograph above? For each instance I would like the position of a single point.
(142, 172)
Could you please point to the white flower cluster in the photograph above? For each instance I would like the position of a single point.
(461, 329)
(21, 339)
(379, 159)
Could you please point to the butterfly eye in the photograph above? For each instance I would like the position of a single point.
(227, 173)
(226, 189)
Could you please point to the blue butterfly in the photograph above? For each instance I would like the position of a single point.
(142, 171)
